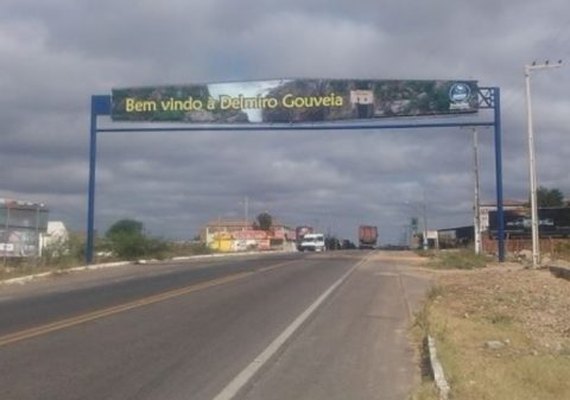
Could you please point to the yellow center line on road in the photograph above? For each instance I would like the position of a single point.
(81, 319)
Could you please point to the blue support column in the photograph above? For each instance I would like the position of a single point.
(499, 175)
(100, 105)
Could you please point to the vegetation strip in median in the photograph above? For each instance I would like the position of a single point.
(77, 320)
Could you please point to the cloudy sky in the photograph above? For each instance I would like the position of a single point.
(54, 54)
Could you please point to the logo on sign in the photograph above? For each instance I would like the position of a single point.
(459, 95)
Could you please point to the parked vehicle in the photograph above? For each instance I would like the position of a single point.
(312, 242)
(367, 236)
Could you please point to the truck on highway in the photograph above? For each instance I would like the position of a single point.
(367, 236)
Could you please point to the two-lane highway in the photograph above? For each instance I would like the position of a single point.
(192, 330)
(42, 301)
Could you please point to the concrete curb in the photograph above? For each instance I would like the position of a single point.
(24, 279)
(221, 255)
(437, 370)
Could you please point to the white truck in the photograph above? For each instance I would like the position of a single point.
(312, 242)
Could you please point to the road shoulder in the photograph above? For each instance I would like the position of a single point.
(358, 345)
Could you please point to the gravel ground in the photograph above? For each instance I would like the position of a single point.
(536, 299)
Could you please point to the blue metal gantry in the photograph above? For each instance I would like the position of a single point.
(488, 97)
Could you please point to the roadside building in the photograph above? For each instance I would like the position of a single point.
(21, 225)
(458, 237)
(490, 209)
(417, 240)
(56, 235)
(223, 225)
(227, 235)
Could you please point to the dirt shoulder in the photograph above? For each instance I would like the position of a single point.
(533, 299)
(502, 332)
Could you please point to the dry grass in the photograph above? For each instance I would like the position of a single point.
(526, 310)
(9, 272)
(457, 259)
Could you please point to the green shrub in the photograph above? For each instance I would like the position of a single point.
(460, 259)
(127, 241)
(64, 253)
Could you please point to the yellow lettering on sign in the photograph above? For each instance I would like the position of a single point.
(173, 104)
(134, 105)
(225, 102)
(332, 100)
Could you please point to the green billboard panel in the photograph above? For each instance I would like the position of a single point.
(294, 100)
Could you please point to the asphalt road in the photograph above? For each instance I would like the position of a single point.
(295, 326)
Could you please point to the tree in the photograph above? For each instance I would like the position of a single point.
(127, 240)
(549, 197)
(125, 227)
(265, 221)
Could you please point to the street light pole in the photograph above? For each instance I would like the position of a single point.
(532, 159)
(476, 202)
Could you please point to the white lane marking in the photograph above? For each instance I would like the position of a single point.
(245, 376)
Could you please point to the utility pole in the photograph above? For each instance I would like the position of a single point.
(246, 209)
(6, 227)
(425, 238)
(477, 203)
(532, 159)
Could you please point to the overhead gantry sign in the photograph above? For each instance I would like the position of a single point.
(299, 104)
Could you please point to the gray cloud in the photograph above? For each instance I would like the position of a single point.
(57, 54)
